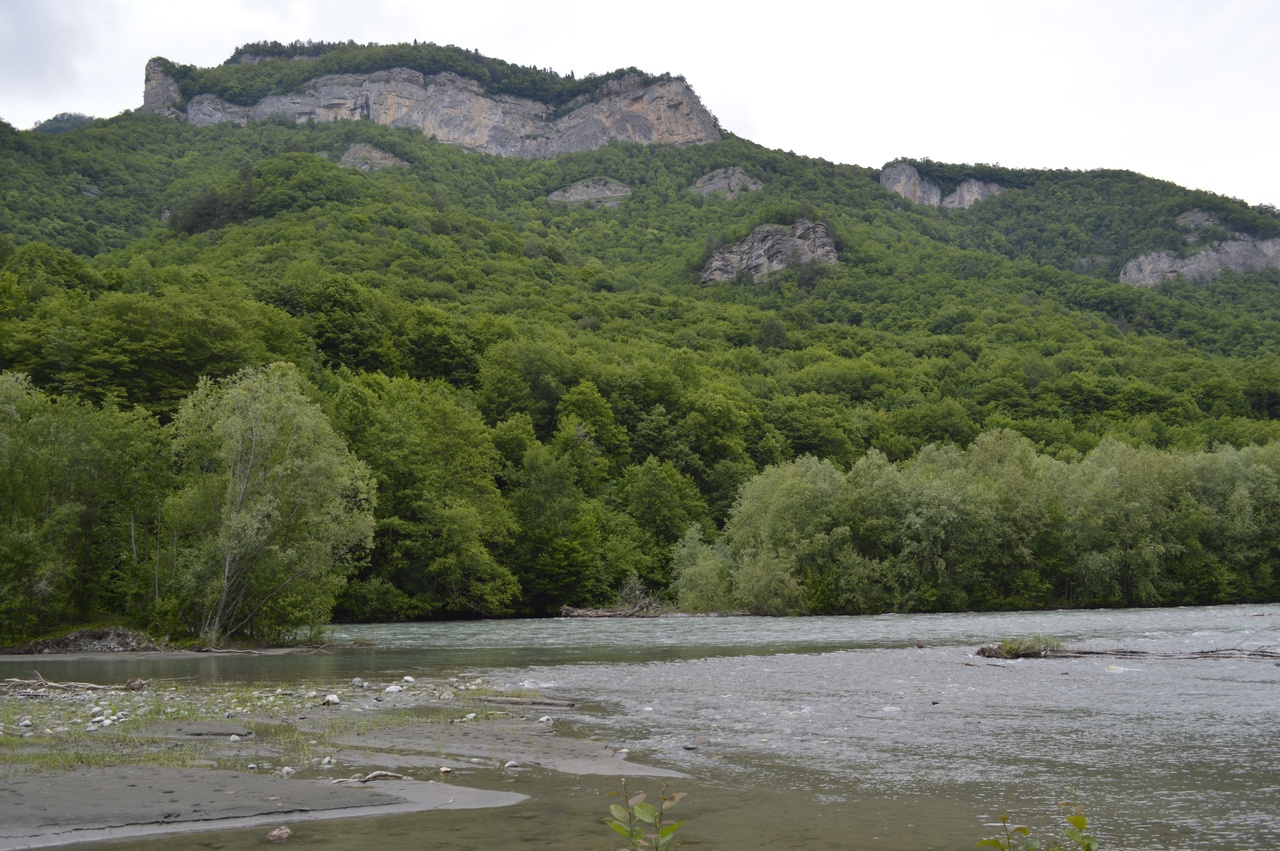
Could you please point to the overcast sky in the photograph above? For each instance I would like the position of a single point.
(1180, 90)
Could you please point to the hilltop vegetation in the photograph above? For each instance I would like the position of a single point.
(517, 405)
(267, 68)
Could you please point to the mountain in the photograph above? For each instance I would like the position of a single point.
(451, 107)
(732, 377)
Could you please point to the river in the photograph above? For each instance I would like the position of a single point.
(847, 732)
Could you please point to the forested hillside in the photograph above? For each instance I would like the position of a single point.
(245, 388)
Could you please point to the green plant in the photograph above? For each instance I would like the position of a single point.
(1036, 645)
(641, 823)
(1018, 838)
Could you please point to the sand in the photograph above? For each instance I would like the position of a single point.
(505, 738)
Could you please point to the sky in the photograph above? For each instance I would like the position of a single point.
(1181, 91)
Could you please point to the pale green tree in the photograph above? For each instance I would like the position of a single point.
(272, 511)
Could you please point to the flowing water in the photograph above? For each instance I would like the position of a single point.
(843, 732)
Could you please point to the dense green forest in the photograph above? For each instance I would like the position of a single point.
(245, 390)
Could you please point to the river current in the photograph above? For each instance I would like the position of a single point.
(851, 732)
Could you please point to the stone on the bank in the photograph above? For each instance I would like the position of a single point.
(280, 834)
(332, 700)
(393, 689)
(409, 679)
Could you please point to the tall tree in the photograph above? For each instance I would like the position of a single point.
(272, 512)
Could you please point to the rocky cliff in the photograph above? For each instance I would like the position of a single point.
(730, 182)
(596, 192)
(904, 179)
(459, 111)
(770, 249)
(970, 192)
(1239, 255)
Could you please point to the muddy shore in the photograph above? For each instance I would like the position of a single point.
(89, 761)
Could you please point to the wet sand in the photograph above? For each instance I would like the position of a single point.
(440, 760)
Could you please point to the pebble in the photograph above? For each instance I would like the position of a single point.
(26, 723)
(357, 683)
(393, 689)
(444, 769)
(332, 700)
(253, 766)
(510, 764)
(280, 834)
(409, 679)
(234, 737)
(288, 771)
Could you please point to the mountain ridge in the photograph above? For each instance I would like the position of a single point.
(445, 97)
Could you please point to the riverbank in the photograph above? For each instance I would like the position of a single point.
(87, 761)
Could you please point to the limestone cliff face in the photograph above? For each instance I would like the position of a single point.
(459, 111)
(597, 192)
(907, 182)
(904, 179)
(1240, 255)
(366, 157)
(159, 91)
(730, 182)
(971, 192)
(770, 249)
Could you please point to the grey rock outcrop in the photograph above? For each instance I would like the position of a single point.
(904, 179)
(459, 111)
(159, 91)
(599, 191)
(731, 182)
(366, 157)
(1240, 255)
(1195, 220)
(770, 249)
(971, 192)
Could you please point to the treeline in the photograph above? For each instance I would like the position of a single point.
(242, 518)
(995, 526)
(544, 401)
(247, 82)
(1091, 222)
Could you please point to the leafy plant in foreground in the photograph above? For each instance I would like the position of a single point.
(1019, 838)
(641, 823)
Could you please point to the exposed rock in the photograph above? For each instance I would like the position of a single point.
(1239, 255)
(599, 191)
(160, 92)
(995, 650)
(772, 248)
(367, 157)
(969, 193)
(112, 639)
(459, 111)
(1196, 219)
(906, 181)
(732, 182)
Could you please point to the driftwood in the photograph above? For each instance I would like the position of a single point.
(373, 775)
(644, 607)
(1227, 653)
(135, 684)
(507, 700)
